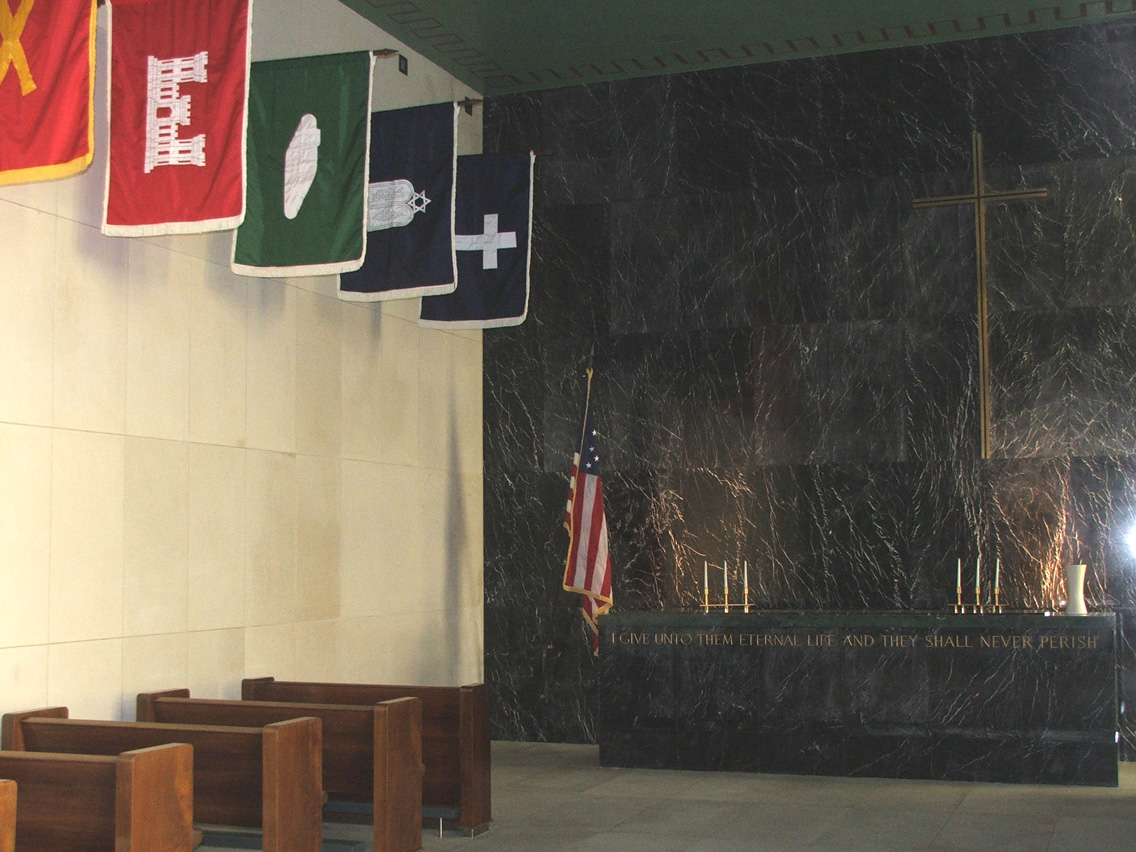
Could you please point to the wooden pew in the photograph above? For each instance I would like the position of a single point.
(260, 777)
(7, 815)
(371, 753)
(455, 737)
(138, 801)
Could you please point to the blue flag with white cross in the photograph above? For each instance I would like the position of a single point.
(492, 235)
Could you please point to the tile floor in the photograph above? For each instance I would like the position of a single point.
(557, 798)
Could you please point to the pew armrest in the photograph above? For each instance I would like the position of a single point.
(476, 779)
(293, 785)
(154, 799)
(7, 816)
(398, 772)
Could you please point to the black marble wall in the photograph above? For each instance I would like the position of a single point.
(787, 352)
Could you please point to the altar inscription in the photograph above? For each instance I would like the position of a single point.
(837, 639)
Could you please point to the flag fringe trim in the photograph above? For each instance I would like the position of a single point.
(596, 596)
(55, 171)
(161, 229)
(495, 323)
(453, 204)
(296, 271)
(391, 295)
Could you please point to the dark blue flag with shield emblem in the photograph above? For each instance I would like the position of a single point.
(492, 233)
(410, 207)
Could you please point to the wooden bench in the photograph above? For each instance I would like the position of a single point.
(138, 801)
(455, 737)
(264, 777)
(371, 752)
(7, 815)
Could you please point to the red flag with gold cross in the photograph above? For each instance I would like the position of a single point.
(179, 74)
(47, 83)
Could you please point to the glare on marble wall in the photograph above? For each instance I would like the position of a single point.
(1130, 539)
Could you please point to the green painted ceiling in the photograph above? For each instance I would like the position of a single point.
(500, 46)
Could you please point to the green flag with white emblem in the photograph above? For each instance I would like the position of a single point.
(307, 147)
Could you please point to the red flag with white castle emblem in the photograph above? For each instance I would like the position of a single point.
(178, 108)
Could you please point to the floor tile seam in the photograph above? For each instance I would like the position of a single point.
(939, 843)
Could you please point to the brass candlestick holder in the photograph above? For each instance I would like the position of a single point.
(725, 605)
(979, 607)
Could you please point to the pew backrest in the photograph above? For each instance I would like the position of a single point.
(266, 777)
(371, 753)
(455, 734)
(348, 732)
(138, 801)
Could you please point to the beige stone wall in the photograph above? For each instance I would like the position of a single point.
(204, 476)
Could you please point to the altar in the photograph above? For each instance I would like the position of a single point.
(1008, 697)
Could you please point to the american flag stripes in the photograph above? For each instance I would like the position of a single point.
(588, 569)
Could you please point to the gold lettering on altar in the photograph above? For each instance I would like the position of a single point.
(834, 639)
(948, 642)
(1068, 643)
(1015, 642)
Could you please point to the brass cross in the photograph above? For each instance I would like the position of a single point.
(980, 196)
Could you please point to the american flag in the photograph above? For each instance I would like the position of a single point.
(588, 570)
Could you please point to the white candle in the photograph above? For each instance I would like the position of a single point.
(977, 570)
(746, 575)
(958, 579)
(706, 580)
(997, 571)
(726, 579)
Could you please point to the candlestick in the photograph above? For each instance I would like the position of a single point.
(705, 586)
(997, 580)
(745, 581)
(726, 583)
(958, 588)
(978, 584)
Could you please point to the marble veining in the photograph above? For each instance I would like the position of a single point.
(1006, 697)
(786, 351)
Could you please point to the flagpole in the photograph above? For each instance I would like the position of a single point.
(587, 398)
